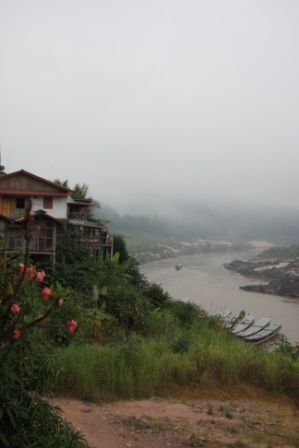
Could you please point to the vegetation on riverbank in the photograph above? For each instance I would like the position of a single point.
(280, 253)
(205, 356)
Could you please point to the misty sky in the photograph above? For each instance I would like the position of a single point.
(149, 100)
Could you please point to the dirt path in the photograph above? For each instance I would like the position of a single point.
(178, 424)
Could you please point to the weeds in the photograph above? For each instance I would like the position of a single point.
(142, 366)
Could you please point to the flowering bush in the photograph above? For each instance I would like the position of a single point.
(20, 308)
(25, 303)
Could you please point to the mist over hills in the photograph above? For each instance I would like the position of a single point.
(189, 221)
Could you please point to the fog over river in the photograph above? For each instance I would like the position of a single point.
(204, 280)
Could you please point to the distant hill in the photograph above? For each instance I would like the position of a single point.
(190, 222)
(280, 253)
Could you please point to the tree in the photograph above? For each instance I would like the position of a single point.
(119, 245)
(2, 167)
(2, 172)
(80, 191)
(62, 183)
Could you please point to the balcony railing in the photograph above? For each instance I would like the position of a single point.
(40, 244)
(81, 216)
(95, 241)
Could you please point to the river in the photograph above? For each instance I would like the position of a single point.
(204, 281)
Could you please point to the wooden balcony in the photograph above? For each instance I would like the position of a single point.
(16, 243)
(95, 241)
(78, 215)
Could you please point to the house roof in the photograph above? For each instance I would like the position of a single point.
(30, 193)
(72, 201)
(40, 214)
(83, 223)
(56, 190)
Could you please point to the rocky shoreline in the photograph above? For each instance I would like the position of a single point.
(281, 276)
(161, 251)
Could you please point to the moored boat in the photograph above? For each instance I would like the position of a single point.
(225, 314)
(244, 323)
(257, 327)
(265, 335)
(228, 319)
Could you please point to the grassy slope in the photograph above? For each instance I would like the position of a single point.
(200, 355)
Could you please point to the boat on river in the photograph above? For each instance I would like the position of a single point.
(255, 328)
(247, 329)
(178, 266)
(265, 335)
(244, 323)
(228, 318)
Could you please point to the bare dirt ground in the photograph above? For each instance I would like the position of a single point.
(254, 421)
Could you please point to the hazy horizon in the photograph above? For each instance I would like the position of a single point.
(154, 103)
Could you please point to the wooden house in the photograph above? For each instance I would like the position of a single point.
(54, 211)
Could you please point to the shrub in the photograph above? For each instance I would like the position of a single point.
(129, 306)
(156, 295)
(26, 301)
(27, 420)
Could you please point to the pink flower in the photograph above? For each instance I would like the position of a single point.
(40, 276)
(31, 271)
(72, 325)
(60, 302)
(15, 308)
(16, 334)
(46, 292)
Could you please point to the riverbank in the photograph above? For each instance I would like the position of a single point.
(161, 250)
(282, 276)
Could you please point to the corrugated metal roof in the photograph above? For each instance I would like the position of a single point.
(83, 223)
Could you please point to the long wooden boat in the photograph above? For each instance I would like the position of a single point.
(244, 323)
(225, 314)
(265, 335)
(256, 328)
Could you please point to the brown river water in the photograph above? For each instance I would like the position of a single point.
(205, 281)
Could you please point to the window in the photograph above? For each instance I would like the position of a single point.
(20, 203)
(48, 202)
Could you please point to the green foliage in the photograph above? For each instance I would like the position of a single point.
(149, 365)
(2, 169)
(186, 312)
(129, 307)
(156, 295)
(119, 246)
(70, 248)
(116, 257)
(176, 343)
(62, 183)
(286, 348)
(80, 191)
(26, 420)
(25, 361)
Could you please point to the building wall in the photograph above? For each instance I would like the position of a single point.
(58, 211)
(2, 230)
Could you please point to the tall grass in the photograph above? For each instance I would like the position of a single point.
(143, 367)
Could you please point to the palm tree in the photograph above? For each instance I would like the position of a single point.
(62, 183)
(80, 191)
